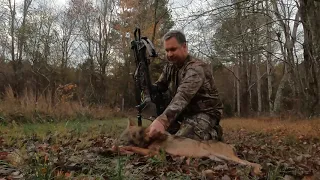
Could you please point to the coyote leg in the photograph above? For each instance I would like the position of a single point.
(138, 150)
(256, 167)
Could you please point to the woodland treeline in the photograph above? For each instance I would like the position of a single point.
(265, 53)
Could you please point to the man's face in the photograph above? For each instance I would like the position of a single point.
(176, 53)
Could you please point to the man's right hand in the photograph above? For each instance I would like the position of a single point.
(155, 127)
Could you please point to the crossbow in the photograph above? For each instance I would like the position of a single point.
(143, 50)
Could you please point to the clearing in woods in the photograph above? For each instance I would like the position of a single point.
(79, 150)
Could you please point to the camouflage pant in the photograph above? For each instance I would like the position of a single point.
(200, 127)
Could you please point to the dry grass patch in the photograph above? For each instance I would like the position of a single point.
(303, 127)
(30, 108)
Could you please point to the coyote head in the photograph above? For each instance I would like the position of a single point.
(137, 136)
(134, 135)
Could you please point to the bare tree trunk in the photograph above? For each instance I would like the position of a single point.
(245, 86)
(269, 61)
(235, 89)
(279, 93)
(239, 65)
(256, 56)
(12, 22)
(238, 91)
(307, 9)
(155, 21)
(287, 49)
(249, 79)
(269, 79)
(22, 33)
(15, 63)
(284, 79)
(258, 84)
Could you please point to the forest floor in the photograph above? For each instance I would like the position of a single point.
(286, 149)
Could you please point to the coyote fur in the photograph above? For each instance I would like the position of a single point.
(135, 140)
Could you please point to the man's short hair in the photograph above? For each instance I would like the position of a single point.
(181, 38)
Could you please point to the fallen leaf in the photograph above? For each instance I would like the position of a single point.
(221, 167)
(288, 177)
(3, 155)
(208, 174)
(299, 158)
(225, 177)
(309, 178)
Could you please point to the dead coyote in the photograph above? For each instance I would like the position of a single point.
(138, 142)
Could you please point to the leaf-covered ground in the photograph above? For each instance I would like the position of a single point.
(79, 150)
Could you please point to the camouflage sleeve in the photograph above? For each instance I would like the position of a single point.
(188, 87)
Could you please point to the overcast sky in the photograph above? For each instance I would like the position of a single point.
(179, 8)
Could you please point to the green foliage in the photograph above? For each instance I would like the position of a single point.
(177, 176)
(274, 173)
(290, 140)
(119, 168)
(159, 160)
(3, 121)
(41, 167)
(41, 130)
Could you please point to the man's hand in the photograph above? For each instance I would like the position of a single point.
(155, 127)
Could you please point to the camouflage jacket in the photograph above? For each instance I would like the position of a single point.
(192, 89)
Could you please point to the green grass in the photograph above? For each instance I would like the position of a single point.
(74, 137)
(111, 127)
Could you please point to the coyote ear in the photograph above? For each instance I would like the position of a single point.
(131, 123)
